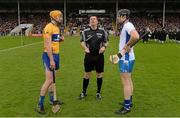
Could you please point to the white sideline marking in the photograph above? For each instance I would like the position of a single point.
(8, 49)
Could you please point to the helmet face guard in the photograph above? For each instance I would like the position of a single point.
(57, 21)
(56, 15)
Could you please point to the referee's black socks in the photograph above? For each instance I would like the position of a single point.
(85, 85)
(99, 84)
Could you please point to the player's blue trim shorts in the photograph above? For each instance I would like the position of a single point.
(126, 66)
(46, 60)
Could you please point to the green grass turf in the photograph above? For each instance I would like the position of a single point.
(10, 41)
(156, 79)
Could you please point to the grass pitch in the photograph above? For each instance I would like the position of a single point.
(156, 79)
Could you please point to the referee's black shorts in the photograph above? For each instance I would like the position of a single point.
(94, 62)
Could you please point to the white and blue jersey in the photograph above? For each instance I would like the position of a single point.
(127, 61)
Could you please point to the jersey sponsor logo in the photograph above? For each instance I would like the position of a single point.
(99, 35)
(89, 37)
(56, 37)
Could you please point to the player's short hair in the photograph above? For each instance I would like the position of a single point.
(124, 12)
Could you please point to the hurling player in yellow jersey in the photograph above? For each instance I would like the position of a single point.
(50, 56)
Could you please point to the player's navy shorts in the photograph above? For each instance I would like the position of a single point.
(46, 60)
(94, 62)
(126, 66)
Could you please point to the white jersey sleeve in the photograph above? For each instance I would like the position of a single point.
(125, 36)
(129, 27)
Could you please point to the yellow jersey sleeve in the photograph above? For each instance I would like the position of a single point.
(47, 31)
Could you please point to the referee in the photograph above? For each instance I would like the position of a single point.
(94, 42)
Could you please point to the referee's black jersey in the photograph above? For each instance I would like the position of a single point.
(94, 39)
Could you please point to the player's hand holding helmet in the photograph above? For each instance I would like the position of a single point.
(114, 59)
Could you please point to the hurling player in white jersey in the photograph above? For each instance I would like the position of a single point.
(128, 36)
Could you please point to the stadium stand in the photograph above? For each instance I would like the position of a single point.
(76, 22)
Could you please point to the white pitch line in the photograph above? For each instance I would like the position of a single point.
(8, 49)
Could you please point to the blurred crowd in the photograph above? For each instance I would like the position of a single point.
(153, 28)
(77, 23)
(9, 21)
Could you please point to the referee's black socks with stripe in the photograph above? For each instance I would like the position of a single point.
(99, 84)
(85, 85)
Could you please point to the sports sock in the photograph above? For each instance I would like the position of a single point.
(99, 84)
(51, 96)
(127, 104)
(85, 85)
(41, 101)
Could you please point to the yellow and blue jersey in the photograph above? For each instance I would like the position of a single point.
(52, 31)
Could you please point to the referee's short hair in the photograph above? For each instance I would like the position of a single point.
(93, 16)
